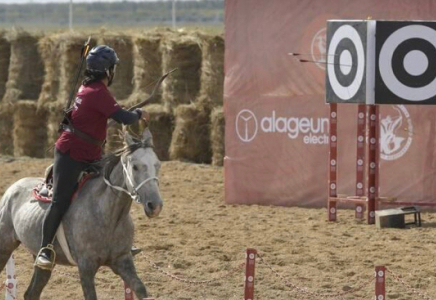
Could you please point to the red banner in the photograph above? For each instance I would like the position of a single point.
(277, 122)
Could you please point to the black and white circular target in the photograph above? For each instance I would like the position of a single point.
(345, 61)
(406, 59)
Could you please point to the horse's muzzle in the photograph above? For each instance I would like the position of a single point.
(153, 208)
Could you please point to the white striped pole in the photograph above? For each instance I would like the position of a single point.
(11, 280)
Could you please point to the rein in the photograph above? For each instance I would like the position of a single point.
(134, 195)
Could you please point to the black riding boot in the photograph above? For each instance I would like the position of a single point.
(66, 172)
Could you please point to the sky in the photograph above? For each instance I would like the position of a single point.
(63, 1)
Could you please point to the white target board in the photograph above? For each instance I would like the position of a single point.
(346, 79)
(406, 63)
(381, 62)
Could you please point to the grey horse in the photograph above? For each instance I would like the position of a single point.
(98, 225)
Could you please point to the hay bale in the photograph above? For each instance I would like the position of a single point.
(114, 138)
(122, 86)
(161, 126)
(217, 138)
(191, 139)
(212, 70)
(6, 125)
(49, 50)
(25, 69)
(148, 65)
(5, 55)
(70, 48)
(29, 132)
(54, 115)
(183, 52)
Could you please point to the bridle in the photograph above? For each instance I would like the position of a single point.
(134, 194)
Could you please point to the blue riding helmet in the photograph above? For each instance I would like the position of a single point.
(101, 58)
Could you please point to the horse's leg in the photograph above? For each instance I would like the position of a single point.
(39, 280)
(87, 270)
(125, 268)
(6, 249)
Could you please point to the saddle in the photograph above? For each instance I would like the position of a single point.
(44, 191)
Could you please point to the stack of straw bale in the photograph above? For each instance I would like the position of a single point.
(161, 126)
(122, 85)
(114, 139)
(190, 140)
(53, 116)
(29, 132)
(50, 54)
(5, 54)
(147, 58)
(25, 69)
(181, 51)
(6, 124)
(70, 45)
(217, 139)
(212, 70)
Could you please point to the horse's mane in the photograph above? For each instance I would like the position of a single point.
(109, 161)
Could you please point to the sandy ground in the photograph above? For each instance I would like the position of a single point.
(199, 237)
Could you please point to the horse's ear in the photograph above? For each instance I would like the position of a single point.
(147, 137)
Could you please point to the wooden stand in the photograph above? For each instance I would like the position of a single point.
(363, 167)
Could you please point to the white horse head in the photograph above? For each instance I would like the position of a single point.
(141, 172)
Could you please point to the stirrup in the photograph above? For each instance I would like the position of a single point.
(46, 265)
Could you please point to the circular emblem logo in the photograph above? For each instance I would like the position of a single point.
(318, 48)
(396, 131)
(246, 125)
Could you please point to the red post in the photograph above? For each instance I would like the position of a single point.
(373, 163)
(249, 274)
(333, 163)
(360, 159)
(380, 281)
(128, 293)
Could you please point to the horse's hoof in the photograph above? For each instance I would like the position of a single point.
(135, 251)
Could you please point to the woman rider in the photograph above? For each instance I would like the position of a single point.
(93, 106)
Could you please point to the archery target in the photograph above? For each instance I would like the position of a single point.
(406, 63)
(346, 56)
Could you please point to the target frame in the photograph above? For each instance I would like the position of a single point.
(346, 61)
(405, 62)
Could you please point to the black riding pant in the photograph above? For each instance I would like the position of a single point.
(66, 172)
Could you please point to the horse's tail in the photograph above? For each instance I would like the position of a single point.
(5, 199)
